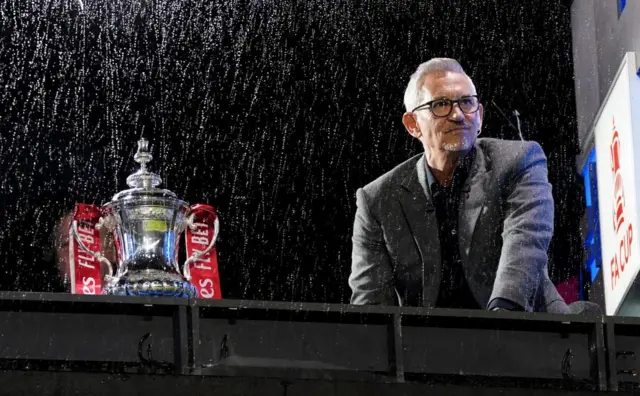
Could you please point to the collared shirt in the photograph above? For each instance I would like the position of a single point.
(454, 288)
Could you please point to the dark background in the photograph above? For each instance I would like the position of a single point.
(275, 112)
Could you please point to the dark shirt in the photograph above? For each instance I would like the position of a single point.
(454, 289)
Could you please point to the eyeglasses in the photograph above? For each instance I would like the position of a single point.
(443, 107)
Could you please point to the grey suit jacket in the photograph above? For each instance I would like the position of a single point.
(505, 226)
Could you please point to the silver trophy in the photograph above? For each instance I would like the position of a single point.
(146, 223)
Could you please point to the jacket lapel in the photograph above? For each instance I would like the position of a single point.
(472, 202)
(420, 214)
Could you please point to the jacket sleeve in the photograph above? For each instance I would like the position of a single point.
(527, 231)
(371, 278)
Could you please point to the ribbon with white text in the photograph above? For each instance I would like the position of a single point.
(85, 269)
(204, 271)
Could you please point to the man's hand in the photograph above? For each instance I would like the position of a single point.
(527, 230)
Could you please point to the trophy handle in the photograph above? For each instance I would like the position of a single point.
(190, 223)
(101, 258)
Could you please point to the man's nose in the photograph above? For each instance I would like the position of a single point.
(456, 112)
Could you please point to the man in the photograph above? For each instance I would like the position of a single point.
(468, 223)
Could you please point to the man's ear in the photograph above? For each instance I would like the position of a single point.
(411, 124)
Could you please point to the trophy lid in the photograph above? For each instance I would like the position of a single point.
(143, 183)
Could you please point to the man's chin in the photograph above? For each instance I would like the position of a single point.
(463, 145)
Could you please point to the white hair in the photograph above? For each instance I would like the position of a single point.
(413, 93)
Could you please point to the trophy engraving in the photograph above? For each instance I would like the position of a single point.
(146, 223)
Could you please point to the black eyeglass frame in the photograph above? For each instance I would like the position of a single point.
(453, 103)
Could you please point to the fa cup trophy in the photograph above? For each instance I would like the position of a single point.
(146, 223)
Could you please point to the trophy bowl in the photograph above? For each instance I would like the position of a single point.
(146, 223)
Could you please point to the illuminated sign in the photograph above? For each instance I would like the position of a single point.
(618, 172)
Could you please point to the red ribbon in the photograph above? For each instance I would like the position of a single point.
(204, 271)
(85, 270)
(88, 212)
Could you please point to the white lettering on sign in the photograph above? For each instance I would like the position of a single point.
(86, 239)
(199, 262)
(622, 255)
(201, 229)
(200, 240)
(206, 288)
(86, 260)
(86, 235)
(89, 285)
(616, 133)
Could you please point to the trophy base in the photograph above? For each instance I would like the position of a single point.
(152, 283)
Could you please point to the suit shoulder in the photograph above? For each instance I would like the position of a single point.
(502, 147)
(393, 177)
(507, 152)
